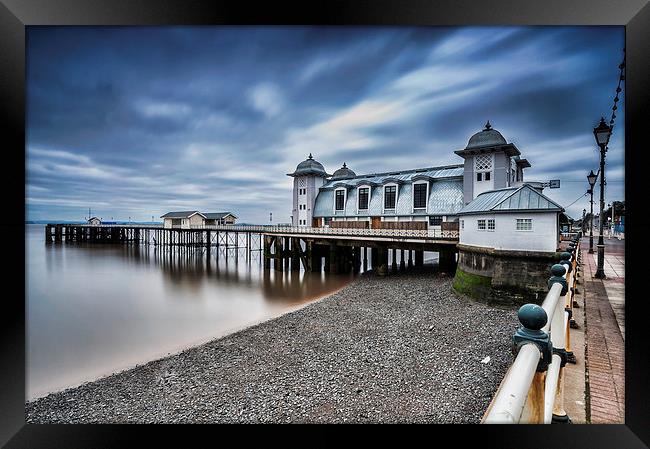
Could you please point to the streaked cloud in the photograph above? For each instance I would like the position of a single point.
(137, 121)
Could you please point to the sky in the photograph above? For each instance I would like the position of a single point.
(139, 121)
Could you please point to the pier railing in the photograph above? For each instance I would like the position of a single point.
(532, 390)
(418, 233)
(303, 230)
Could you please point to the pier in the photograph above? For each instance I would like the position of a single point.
(284, 248)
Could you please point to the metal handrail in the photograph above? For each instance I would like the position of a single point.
(508, 404)
(519, 389)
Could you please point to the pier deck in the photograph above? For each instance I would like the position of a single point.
(285, 247)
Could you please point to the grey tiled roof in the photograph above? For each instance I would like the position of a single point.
(181, 214)
(445, 198)
(511, 198)
(404, 176)
(216, 215)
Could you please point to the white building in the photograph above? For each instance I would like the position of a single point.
(431, 197)
(183, 219)
(94, 221)
(194, 218)
(514, 218)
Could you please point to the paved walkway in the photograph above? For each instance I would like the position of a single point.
(604, 315)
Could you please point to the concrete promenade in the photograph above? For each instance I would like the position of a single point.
(604, 332)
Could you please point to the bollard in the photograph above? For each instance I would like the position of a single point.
(558, 271)
(565, 259)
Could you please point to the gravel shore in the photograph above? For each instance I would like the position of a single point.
(404, 348)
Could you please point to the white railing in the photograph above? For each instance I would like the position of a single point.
(417, 233)
(527, 395)
(407, 233)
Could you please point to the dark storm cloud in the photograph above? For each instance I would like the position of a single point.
(138, 121)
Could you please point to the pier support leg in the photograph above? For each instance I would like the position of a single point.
(374, 258)
(410, 263)
(278, 254)
(382, 262)
(394, 264)
(447, 261)
(295, 254)
(267, 252)
(333, 259)
(286, 253)
(402, 262)
(365, 259)
(419, 258)
(315, 256)
(356, 259)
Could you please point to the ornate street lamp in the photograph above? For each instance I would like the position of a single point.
(602, 133)
(591, 178)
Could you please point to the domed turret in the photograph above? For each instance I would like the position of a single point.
(309, 166)
(343, 173)
(486, 138)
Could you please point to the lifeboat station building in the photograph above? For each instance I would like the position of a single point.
(194, 218)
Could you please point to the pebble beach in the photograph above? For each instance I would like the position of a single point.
(404, 348)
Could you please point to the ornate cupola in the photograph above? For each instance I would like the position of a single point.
(489, 163)
(309, 166)
(343, 173)
(488, 137)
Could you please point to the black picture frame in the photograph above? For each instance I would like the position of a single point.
(15, 15)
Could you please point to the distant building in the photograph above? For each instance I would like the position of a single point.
(194, 218)
(219, 218)
(183, 219)
(94, 221)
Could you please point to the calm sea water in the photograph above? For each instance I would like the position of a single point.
(92, 310)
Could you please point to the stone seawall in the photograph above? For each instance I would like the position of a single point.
(502, 276)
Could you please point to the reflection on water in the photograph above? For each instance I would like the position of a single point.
(96, 309)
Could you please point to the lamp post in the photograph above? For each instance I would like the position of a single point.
(602, 133)
(582, 225)
(591, 178)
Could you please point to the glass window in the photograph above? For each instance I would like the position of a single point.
(479, 176)
(419, 196)
(462, 224)
(340, 199)
(435, 220)
(487, 175)
(524, 224)
(327, 220)
(389, 197)
(363, 198)
(490, 225)
(481, 225)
